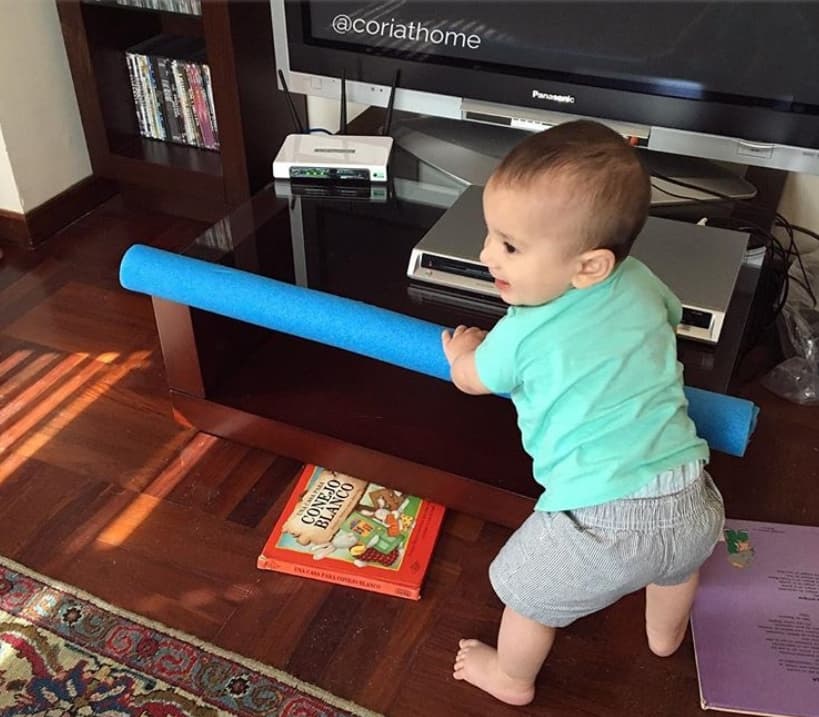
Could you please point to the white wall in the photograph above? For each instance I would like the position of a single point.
(9, 196)
(800, 205)
(324, 113)
(39, 119)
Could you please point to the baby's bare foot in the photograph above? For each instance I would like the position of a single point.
(477, 663)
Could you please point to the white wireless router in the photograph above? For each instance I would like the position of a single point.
(339, 158)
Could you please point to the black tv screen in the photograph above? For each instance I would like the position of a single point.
(757, 53)
(739, 70)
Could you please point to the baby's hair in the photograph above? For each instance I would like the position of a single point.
(603, 171)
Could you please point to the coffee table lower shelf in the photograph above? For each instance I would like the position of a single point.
(457, 492)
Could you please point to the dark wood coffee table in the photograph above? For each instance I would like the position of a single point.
(324, 405)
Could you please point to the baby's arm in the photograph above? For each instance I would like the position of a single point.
(459, 349)
(673, 307)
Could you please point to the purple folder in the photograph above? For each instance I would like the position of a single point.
(755, 621)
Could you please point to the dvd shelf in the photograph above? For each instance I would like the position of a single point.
(178, 99)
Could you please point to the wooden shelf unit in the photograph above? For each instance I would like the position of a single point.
(252, 115)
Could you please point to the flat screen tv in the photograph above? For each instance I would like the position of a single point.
(733, 81)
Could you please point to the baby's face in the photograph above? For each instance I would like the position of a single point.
(531, 241)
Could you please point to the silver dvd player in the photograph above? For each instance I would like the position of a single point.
(699, 264)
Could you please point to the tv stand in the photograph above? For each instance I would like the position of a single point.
(368, 418)
(469, 152)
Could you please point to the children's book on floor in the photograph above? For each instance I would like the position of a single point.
(755, 621)
(342, 529)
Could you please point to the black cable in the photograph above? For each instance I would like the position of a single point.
(804, 231)
(775, 248)
(388, 121)
(342, 112)
(293, 113)
(803, 285)
(794, 251)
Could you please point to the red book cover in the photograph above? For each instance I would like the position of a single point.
(345, 530)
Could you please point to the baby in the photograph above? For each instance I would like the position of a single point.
(587, 351)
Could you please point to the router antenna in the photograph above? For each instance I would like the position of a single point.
(388, 122)
(342, 123)
(291, 105)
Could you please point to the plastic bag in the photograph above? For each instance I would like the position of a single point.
(797, 378)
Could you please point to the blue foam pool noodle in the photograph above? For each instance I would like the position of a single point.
(725, 422)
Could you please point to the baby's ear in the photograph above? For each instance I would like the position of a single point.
(594, 266)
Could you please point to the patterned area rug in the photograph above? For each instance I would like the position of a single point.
(64, 652)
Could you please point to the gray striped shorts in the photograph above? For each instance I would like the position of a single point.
(558, 567)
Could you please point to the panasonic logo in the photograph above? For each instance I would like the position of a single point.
(563, 99)
(334, 150)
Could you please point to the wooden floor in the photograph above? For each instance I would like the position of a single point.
(99, 487)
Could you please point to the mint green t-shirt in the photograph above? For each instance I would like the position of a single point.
(598, 390)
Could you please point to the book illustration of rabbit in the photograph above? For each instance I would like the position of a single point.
(342, 540)
(362, 554)
(389, 508)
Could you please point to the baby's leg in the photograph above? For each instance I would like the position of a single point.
(667, 611)
(508, 672)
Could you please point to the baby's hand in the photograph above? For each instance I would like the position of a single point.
(462, 340)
